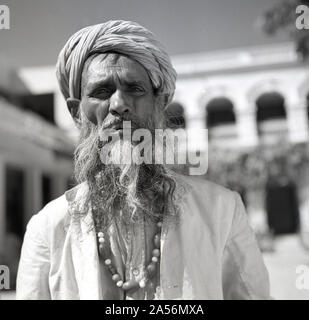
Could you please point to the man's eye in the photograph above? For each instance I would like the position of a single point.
(101, 92)
(104, 91)
(137, 89)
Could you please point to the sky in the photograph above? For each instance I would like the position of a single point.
(40, 28)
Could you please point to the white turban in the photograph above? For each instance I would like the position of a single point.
(124, 37)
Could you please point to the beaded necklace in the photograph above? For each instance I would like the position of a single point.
(150, 270)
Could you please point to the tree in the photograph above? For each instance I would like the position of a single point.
(282, 16)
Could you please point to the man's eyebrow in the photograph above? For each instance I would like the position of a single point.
(109, 83)
(133, 83)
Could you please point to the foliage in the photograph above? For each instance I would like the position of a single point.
(283, 16)
(253, 169)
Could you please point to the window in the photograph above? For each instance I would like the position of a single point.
(270, 106)
(15, 193)
(219, 111)
(220, 120)
(41, 104)
(46, 190)
(271, 116)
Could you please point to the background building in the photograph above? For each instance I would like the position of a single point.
(35, 160)
(253, 99)
(254, 102)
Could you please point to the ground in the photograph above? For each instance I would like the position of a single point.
(281, 264)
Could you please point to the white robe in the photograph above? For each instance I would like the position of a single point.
(211, 254)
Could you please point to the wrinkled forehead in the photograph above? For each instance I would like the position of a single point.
(100, 67)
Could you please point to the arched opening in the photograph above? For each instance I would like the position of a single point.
(271, 117)
(282, 207)
(220, 119)
(174, 113)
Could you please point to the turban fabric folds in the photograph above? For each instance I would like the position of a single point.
(123, 37)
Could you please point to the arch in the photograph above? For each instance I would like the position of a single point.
(211, 92)
(262, 87)
(271, 117)
(175, 115)
(270, 106)
(219, 111)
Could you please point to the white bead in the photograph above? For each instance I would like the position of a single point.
(159, 224)
(119, 283)
(116, 277)
(154, 259)
(156, 252)
(101, 235)
(142, 284)
(101, 240)
(108, 262)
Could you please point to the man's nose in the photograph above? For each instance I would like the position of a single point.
(119, 104)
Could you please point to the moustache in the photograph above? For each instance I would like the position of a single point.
(117, 123)
(114, 126)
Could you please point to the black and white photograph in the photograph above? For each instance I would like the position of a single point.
(154, 150)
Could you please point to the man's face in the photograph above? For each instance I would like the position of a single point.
(116, 87)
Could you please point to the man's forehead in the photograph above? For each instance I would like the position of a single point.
(104, 66)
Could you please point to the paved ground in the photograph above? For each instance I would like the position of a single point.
(281, 265)
(7, 295)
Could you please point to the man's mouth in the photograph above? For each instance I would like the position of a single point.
(117, 127)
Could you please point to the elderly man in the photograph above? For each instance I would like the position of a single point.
(133, 231)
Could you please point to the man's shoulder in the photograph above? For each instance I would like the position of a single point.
(56, 213)
(212, 204)
(53, 214)
(207, 189)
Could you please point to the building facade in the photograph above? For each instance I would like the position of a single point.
(248, 98)
(35, 161)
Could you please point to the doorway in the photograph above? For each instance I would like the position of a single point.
(282, 208)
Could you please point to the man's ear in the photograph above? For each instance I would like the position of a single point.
(163, 99)
(73, 106)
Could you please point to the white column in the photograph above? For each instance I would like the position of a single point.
(195, 115)
(256, 210)
(297, 119)
(33, 201)
(303, 192)
(245, 113)
(197, 133)
(2, 206)
(197, 139)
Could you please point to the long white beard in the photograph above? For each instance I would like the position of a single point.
(139, 186)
